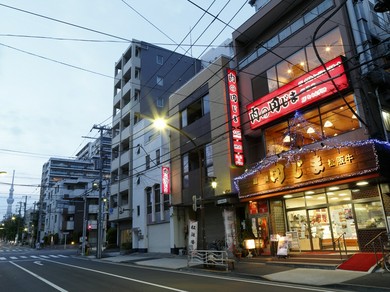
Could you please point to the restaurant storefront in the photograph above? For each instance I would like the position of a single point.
(324, 195)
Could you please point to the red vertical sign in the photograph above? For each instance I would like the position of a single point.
(166, 180)
(235, 118)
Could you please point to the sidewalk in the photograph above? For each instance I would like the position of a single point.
(356, 281)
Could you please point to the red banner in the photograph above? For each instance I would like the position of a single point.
(310, 87)
(166, 180)
(235, 118)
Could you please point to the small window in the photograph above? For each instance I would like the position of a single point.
(137, 51)
(149, 200)
(160, 81)
(136, 94)
(160, 102)
(137, 74)
(158, 156)
(159, 60)
(147, 161)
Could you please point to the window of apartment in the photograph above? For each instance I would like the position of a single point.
(209, 160)
(149, 200)
(159, 60)
(147, 161)
(186, 169)
(195, 111)
(114, 201)
(137, 74)
(160, 101)
(166, 202)
(136, 94)
(160, 81)
(124, 199)
(158, 156)
(324, 121)
(190, 162)
(157, 198)
(137, 51)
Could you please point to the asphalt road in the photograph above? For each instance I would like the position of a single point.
(24, 269)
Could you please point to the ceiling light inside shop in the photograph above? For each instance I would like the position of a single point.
(328, 124)
(310, 130)
(309, 192)
(287, 196)
(334, 199)
(287, 139)
(362, 183)
(333, 188)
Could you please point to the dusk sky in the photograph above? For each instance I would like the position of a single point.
(57, 63)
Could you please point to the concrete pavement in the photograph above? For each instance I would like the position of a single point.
(356, 281)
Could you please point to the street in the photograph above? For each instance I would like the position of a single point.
(25, 269)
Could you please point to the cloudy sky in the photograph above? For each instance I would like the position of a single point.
(56, 66)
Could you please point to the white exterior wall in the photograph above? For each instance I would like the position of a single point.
(150, 237)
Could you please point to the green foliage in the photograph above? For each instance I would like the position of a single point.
(9, 228)
(126, 245)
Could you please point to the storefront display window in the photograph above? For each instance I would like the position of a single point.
(343, 223)
(369, 215)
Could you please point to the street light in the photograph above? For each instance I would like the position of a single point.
(161, 124)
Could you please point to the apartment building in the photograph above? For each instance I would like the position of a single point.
(145, 76)
(69, 193)
(315, 123)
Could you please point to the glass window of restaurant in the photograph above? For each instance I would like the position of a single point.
(323, 216)
(324, 121)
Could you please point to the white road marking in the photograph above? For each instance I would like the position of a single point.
(120, 277)
(3, 258)
(40, 278)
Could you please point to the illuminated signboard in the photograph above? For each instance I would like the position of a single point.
(166, 181)
(235, 120)
(310, 87)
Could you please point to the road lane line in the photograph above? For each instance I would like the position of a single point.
(117, 276)
(40, 278)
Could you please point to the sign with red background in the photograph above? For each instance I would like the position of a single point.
(310, 87)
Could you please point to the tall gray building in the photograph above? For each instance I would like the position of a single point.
(145, 76)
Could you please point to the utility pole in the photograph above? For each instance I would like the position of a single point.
(100, 211)
(84, 225)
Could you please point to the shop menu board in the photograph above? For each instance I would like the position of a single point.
(293, 239)
(283, 246)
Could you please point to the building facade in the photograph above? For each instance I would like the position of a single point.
(201, 143)
(69, 193)
(315, 123)
(145, 76)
